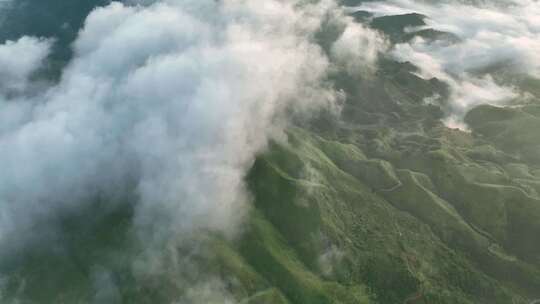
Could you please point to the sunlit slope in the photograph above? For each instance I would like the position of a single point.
(361, 221)
(383, 204)
(411, 209)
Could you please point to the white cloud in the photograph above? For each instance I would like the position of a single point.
(182, 101)
(499, 32)
(18, 59)
(467, 90)
(174, 98)
(357, 49)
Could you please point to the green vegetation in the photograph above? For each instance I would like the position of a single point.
(381, 205)
(389, 202)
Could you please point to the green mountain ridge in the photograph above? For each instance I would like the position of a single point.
(410, 210)
(384, 204)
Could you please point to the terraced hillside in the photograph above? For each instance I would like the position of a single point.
(383, 203)
(395, 207)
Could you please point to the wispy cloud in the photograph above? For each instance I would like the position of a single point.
(18, 59)
(505, 32)
(168, 104)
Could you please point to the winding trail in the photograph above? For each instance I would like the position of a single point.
(414, 298)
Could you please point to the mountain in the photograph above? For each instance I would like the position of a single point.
(383, 203)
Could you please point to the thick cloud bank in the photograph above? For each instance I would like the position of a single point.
(492, 33)
(166, 104)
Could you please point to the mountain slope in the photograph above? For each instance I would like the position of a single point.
(383, 203)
